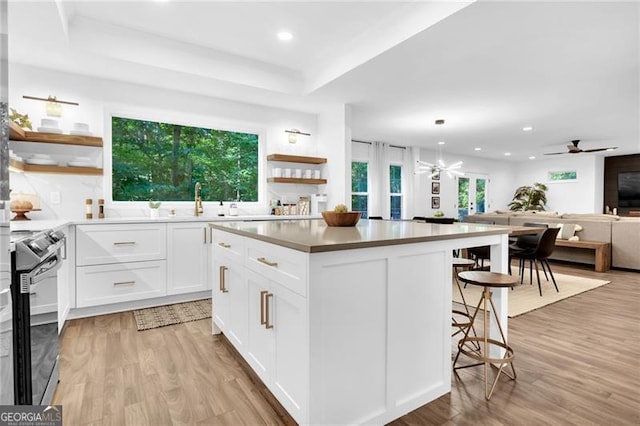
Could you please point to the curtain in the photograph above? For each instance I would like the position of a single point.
(409, 178)
(379, 203)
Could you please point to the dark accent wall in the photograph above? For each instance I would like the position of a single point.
(613, 166)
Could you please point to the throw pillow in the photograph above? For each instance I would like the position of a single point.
(568, 230)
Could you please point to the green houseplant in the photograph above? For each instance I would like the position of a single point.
(529, 198)
(154, 207)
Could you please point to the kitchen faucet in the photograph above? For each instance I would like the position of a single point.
(198, 198)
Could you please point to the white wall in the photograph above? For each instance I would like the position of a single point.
(500, 191)
(585, 195)
(98, 98)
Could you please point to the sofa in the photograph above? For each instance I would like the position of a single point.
(623, 233)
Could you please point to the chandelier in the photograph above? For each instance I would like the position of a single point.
(439, 166)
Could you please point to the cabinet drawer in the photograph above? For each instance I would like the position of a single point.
(227, 245)
(282, 265)
(104, 244)
(100, 285)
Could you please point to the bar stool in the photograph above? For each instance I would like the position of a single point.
(487, 280)
(459, 264)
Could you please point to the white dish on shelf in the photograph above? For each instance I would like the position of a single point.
(81, 159)
(80, 133)
(49, 130)
(80, 127)
(81, 164)
(49, 123)
(41, 161)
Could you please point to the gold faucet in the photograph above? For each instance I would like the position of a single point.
(198, 198)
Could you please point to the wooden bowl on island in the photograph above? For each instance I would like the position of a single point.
(341, 219)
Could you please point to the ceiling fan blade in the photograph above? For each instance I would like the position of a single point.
(600, 149)
(555, 153)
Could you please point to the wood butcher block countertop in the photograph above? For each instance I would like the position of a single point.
(314, 236)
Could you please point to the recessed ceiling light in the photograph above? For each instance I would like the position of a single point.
(527, 129)
(441, 143)
(532, 158)
(477, 149)
(507, 154)
(285, 35)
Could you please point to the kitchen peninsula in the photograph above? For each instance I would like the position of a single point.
(344, 325)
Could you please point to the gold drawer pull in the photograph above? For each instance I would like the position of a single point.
(223, 284)
(267, 324)
(262, 300)
(266, 262)
(124, 243)
(223, 245)
(124, 283)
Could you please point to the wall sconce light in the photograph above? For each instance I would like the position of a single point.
(293, 135)
(53, 107)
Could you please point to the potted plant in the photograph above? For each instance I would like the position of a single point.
(529, 198)
(154, 209)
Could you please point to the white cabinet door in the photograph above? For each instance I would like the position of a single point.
(261, 343)
(230, 301)
(277, 341)
(187, 257)
(290, 367)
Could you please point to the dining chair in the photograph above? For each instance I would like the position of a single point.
(540, 254)
(527, 242)
(482, 253)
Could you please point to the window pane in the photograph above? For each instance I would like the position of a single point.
(481, 188)
(359, 204)
(163, 161)
(396, 207)
(463, 198)
(395, 179)
(359, 176)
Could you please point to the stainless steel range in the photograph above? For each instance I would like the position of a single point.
(35, 262)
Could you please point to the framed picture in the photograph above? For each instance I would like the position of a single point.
(435, 187)
(436, 176)
(435, 202)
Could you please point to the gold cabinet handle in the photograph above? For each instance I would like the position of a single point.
(124, 243)
(223, 284)
(262, 300)
(266, 262)
(223, 245)
(267, 324)
(124, 283)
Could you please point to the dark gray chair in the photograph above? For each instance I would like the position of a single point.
(540, 253)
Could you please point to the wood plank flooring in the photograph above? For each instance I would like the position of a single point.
(577, 364)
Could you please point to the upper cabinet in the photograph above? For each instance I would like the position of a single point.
(281, 177)
(18, 134)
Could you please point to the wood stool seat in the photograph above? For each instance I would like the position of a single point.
(480, 345)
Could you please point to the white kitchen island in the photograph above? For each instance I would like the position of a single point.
(345, 325)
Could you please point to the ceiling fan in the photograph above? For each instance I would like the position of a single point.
(573, 149)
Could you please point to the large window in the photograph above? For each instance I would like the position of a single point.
(163, 161)
(360, 188)
(395, 189)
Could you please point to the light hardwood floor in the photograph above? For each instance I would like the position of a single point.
(577, 364)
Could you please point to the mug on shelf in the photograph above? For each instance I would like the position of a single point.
(308, 173)
(277, 172)
(316, 174)
(287, 173)
(298, 173)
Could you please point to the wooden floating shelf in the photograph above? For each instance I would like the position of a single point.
(36, 168)
(296, 159)
(297, 180)
(16, 133)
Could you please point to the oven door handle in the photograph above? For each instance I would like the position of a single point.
(44, 270)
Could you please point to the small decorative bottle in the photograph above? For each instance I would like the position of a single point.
(88, 207)
(221, 209)
(101, 208)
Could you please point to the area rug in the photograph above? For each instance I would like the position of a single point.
(161, 316)
(526, 298)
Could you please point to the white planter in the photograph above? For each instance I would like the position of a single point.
(154, 213)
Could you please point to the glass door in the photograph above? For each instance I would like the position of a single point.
(472, 195)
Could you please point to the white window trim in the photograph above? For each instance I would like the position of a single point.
(191, 120)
